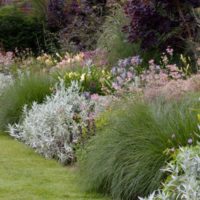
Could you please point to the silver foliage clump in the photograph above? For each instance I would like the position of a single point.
(184, 181)
(5, 81)
(53, 127)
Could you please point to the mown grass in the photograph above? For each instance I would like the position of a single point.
(25, 175)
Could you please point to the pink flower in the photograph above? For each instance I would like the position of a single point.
(151, 62)
(172, 67)
(170, 51)
(95, 97)
(136, 60)
(129, 75)
(116, 86)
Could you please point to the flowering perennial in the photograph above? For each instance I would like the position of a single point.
(6, 59)
(125, 72)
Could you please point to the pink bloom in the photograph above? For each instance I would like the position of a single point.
(151, 62)
(116, 86)
(95, 97)
(172, 67)
(129, 75)
(170, 51)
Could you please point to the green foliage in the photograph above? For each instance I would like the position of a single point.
(113, 39)
(91, 79)
(24, 90)
(125, 157)
(183, 181)
(18, 30)
(40, 8)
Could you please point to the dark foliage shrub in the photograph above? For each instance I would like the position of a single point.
(23, 91)
(18, 30)
(161, 23)
(126, 156)
(76, 21)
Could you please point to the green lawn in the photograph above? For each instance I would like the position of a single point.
(24, 175)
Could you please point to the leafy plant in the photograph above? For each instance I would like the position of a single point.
(91, 79)
(125, 158)
(183, 181)
(40, 8)
(161, 23)
(52, 128)
(76, 22)
(18, 30)
(24, 90)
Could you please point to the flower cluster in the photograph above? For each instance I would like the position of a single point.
(125, 72)
(160, 74)
(6, 59)
(46, 59)
(69, 61)
(91, 79)
(156, 76)
(96, 57)
(52, 128)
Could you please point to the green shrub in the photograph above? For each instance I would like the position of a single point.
(18, 30)
(23, 91)
(113, 38)
(125, 157)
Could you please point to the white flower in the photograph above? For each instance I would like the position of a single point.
(83, 77)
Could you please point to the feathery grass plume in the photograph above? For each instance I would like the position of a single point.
(40, 8)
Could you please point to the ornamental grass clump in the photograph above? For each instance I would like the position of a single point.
(125, 158)
(23, 90)
(52, 128)
(113, 39)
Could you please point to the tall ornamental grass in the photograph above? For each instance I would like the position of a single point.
(125, 158)
(113, 39)
(24, 90)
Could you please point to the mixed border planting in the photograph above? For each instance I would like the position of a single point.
(111, 87)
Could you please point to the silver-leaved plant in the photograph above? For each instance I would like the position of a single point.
(184, 181)
(53, 127)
